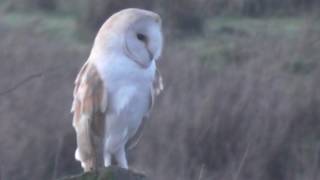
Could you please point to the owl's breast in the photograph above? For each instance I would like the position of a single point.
(126, 109)
(128, 87)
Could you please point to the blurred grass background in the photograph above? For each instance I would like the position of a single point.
(241, 98)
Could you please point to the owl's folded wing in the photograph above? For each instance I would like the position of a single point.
(155, 90)
(88, 107)
(89, 96)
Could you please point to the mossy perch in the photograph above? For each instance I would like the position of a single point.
(109, 173)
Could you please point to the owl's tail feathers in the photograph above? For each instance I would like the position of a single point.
(86, 150)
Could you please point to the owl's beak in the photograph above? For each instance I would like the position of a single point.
(151, 56)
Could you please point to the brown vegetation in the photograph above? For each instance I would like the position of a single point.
(244, 111)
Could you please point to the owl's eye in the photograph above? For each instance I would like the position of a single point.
(141, 37)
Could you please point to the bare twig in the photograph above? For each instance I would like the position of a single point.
(57, 157)
(22, 82)
(244, 157)
(201, 172)
(26, 80)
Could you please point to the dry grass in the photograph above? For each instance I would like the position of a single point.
(252, 115)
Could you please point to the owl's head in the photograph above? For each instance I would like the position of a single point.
(136, 32)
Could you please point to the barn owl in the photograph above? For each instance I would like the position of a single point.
(114, 89)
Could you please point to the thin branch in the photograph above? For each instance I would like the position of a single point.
(26, 80)
(57, 157)
(201, 172)
(22, 82)
(244, 157)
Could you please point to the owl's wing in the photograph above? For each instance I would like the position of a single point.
(156, 89)
(89, 95)
(157, 85)
(88, 107)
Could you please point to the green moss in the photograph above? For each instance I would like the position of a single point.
(109, 173)
(85, 176)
